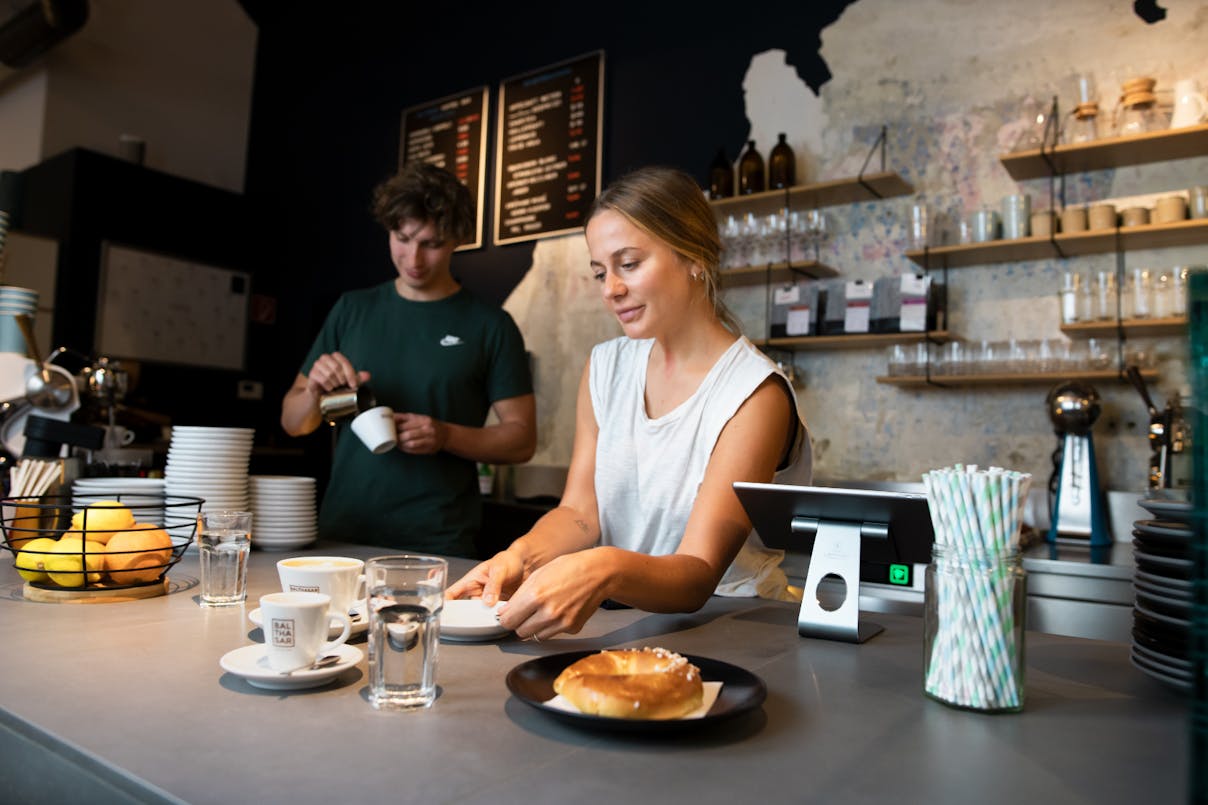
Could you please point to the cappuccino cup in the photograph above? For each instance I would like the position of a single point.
(340, 578)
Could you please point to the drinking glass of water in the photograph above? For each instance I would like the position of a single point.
(406, 594)
(224, 539)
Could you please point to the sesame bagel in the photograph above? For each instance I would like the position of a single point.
(648, 683)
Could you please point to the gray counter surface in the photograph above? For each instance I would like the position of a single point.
(126, 702)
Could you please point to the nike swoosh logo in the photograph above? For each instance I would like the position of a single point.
(450, 341)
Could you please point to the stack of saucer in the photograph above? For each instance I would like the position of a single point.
(1164, 592)
(211, 464)
(144, 496)
(284, 515)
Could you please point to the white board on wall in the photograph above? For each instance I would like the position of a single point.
(153, 307)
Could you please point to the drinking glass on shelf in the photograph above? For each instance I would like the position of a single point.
(1163, 295)
(1178, 305)
(1088, 291)
(1075, 356)
(954, 362)
(1071, 284)
(798, 245)
(1141, 294)
(1047, 358)
(1105, 295)
(988, 357)
(918, 232)
(898, 361)
(815, 231)
(730, 249)
(1097, 354)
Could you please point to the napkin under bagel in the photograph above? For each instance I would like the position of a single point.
(647, 683)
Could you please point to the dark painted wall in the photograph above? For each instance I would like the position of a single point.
(330, 88)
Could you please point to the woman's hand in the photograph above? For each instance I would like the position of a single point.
(496, 578)
(559, 596)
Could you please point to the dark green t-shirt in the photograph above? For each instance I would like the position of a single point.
(450, 359)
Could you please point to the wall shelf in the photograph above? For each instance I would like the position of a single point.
(869, 187)
(1109, 152)
(1013, 379)
(855, 340)
(1074, 244)
(1135, 327)
(776, 272)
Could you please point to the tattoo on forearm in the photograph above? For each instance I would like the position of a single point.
(583, 526)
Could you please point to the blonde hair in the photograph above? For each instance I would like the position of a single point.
(667, 204)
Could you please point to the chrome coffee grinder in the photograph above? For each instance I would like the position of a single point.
(1078, 504)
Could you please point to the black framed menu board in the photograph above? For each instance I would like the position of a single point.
(450, 133)
(547, 169)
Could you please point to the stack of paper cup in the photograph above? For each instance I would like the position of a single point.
(15, 302)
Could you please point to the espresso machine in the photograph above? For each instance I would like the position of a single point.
(1169, 436)
(1078, 508)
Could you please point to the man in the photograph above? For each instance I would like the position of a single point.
(436, 355)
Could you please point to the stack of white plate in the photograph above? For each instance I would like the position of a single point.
(284, 514)
(211, 464)
(144, 496)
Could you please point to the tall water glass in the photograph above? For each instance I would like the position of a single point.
(406, 595)
(223, 540)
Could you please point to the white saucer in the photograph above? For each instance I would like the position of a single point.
(251, 663)
(467, 620)
(360, 623)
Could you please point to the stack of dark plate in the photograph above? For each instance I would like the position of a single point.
(1163, 585)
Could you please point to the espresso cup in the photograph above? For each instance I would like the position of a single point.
(376, 429)
(295, 627)
(340, 578)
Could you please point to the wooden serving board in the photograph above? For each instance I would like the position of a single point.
(94, 595)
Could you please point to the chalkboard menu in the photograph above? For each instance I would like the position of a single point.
(547, 168)
(450, 134)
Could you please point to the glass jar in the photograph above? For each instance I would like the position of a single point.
(1070, 286)
(975, 617)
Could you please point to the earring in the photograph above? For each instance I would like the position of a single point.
(699, 276)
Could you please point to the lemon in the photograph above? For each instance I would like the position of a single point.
(104, 519)
(31, 561)
(73, 560)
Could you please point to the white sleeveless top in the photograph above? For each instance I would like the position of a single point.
(648, 470)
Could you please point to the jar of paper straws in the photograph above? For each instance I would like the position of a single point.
(976, 589)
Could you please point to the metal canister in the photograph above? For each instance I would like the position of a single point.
(345, 402)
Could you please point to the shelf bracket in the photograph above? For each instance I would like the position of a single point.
(880, 141)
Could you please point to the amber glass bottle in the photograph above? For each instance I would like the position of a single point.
(721, 176)
(782, 166)
(750, 171)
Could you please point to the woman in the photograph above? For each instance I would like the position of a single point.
(667, 418)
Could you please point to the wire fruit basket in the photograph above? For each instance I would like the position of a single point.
(118, 548)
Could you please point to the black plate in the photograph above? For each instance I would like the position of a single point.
(532, 682)
(1163, 605)
(1164, 528)
(1181, 585)
(1167, 509)
(1162, 565)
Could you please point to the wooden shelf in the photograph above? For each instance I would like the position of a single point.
(1109, 152)
(1074, 244)
(918, 381)
(1135, 327)
(855, 340)
(776, 272)
(870, 187)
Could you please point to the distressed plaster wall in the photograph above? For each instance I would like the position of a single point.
(950, 79)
